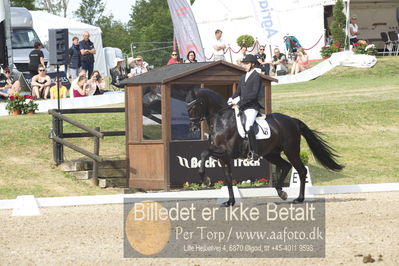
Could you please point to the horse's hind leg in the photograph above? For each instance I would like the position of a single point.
(293, 157)
(285, 167)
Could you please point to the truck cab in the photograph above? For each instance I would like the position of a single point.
(23, 38)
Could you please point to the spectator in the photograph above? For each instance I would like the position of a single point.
(243, 53)
(218, 46)
(173, 58)
(131, 64)
(140, 67)
(41, 84)
(74, 58)
(190, 57)
(118, 73)
(87, 51)
(54, 90)
(353, 30)
(36, 58)
(80, 89)
(8, 86)
(82, 73)
(96, 84)
(261, 63)
(301, 62)
(279, 63)
(152, 102)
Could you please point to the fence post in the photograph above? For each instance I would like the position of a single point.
(58, 149)
(96, 152)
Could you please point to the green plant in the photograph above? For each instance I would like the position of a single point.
(260, 182)
(245, 40)
(361, 47)
(219, 184)
(192, 186)
(338, 25)
(327, 51)
(15, 102)
(245, 184)
(304, 157)
(29, 105)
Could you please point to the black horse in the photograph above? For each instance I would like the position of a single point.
(226, 144)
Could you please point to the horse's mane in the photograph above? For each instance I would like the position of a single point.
(213, 96)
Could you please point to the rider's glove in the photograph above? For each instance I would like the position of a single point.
(233, 101)
(230, 101)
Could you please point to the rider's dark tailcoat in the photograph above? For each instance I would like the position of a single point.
(249, 91)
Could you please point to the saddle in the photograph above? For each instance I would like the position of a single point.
(262, 130)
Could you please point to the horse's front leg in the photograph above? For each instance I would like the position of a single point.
(226, 165)
(204, 156)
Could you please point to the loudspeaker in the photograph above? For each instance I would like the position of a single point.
(58, 46)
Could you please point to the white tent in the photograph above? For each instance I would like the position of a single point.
(302, 19)
(43, 21)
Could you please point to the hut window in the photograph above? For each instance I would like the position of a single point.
(180, 120)
(152, 118)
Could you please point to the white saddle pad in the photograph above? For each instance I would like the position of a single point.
(264, 129)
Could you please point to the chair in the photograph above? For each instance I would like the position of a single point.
(393, 36)
(387, 42)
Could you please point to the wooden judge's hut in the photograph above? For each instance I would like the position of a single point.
(161, 151)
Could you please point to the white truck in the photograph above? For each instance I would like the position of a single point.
(20, 37)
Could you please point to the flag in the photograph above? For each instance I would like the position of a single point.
(185, 29)
(267, 22)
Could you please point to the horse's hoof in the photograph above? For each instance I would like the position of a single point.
(283, 195)
(207, 181)
(299, 200)
(228, 203)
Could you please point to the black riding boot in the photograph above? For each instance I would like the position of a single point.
(253, 148)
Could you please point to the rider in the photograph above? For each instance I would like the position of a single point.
(247, 93)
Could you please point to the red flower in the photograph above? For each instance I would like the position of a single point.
(220, 182)
(234, 182)
(336, 44)
(325, 47)
(356, 44)
(11, 98)
(262, 180)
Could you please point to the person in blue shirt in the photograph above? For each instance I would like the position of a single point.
(87, 51)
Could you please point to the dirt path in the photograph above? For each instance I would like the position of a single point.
(365, 223)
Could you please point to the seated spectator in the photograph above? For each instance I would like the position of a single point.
(261, 63)
(140, 67)
(8, 86)
(82, 73)
(118, 73)
(243, 53)
(41, 84)
(279, 63)
(190, 57)
(80, 89)
(54, 90)
(301, 62)
(174, 59)
(131, 63)
(96, 84)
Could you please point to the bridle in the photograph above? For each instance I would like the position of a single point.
(191, 105)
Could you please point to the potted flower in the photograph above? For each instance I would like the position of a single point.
(328, 50)
(15, 104)
(29, 105)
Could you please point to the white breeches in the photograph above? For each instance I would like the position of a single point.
(250, 114)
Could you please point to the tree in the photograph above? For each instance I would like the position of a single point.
(151, 22)
(90, 11)
(29, 4)
(114, 33)
(56, 7)
(338, 25)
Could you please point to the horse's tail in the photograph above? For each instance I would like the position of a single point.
(324, 154)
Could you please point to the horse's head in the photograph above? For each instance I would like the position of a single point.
(196, 110)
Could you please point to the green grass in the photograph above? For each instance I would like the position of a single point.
(357, 109)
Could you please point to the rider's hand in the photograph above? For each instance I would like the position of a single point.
(230, 101)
